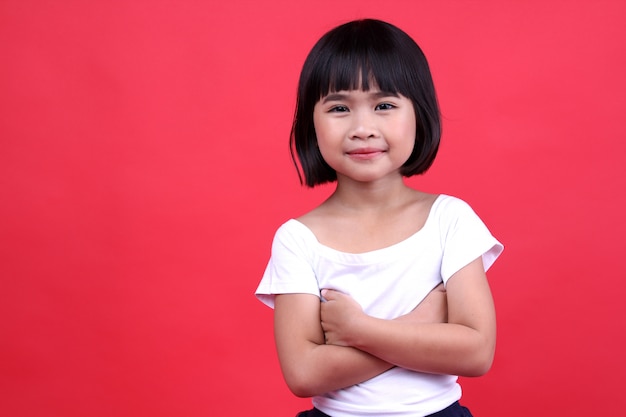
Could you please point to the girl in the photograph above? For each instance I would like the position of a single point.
(357, 325)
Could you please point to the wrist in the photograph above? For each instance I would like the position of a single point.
(358, 334)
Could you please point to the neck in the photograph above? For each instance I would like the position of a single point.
(377, 195)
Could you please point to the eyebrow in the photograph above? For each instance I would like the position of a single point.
(342, 97)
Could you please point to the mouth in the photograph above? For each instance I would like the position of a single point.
(365, 153)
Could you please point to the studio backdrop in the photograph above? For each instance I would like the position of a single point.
(144, 168)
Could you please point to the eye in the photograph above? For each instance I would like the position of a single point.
(385, 106)
(338, 109)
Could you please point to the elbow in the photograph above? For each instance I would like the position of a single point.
(478, 368)
(301, 385)
(300, 390)
(479, 363)
(301, 393)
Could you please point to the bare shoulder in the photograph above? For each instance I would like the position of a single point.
(360, 229)
(317, 218)
(425, 200)
(418, 203)
(417, 209)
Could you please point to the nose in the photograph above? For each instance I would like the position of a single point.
(363, 125)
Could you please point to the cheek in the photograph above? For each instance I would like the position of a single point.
(325, 148)
(323, 131)
(412, 124)
(408, 130)
(317, 117)
(318, 126)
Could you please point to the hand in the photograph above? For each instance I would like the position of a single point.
(432, 309)
(338, 315)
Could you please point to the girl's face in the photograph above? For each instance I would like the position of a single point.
(365, 135)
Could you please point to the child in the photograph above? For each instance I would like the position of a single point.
(357, 325)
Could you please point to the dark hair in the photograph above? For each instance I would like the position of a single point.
(364, 51)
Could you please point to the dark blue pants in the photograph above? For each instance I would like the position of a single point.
(455, 410)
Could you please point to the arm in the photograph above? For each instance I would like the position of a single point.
(463, 346)
(432, 309)
(310, 366)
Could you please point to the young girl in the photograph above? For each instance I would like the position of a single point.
(357, 324)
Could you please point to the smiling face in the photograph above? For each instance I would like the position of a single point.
(365, 135)
(364, 55)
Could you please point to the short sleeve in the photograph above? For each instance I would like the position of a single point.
(289, 269)
(465, 237)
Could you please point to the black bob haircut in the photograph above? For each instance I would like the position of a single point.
(364, 51)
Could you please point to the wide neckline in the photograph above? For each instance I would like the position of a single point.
(392, 247)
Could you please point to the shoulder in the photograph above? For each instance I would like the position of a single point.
(451, 201)
(450, 206)
(453, 213)
(464, 235)
(317, 222)
(457, 219)
(293, 234)
(292, 228)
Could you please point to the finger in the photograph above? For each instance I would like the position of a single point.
(328, 294)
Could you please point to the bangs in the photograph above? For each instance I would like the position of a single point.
(357, 73)
(361, 61)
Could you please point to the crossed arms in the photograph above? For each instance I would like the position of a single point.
(327, 346)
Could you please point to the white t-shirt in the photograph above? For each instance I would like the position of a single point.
(387, 283)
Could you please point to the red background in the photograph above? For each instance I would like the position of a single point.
(144, 168)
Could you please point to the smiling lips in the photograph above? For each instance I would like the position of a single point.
(363, 154)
